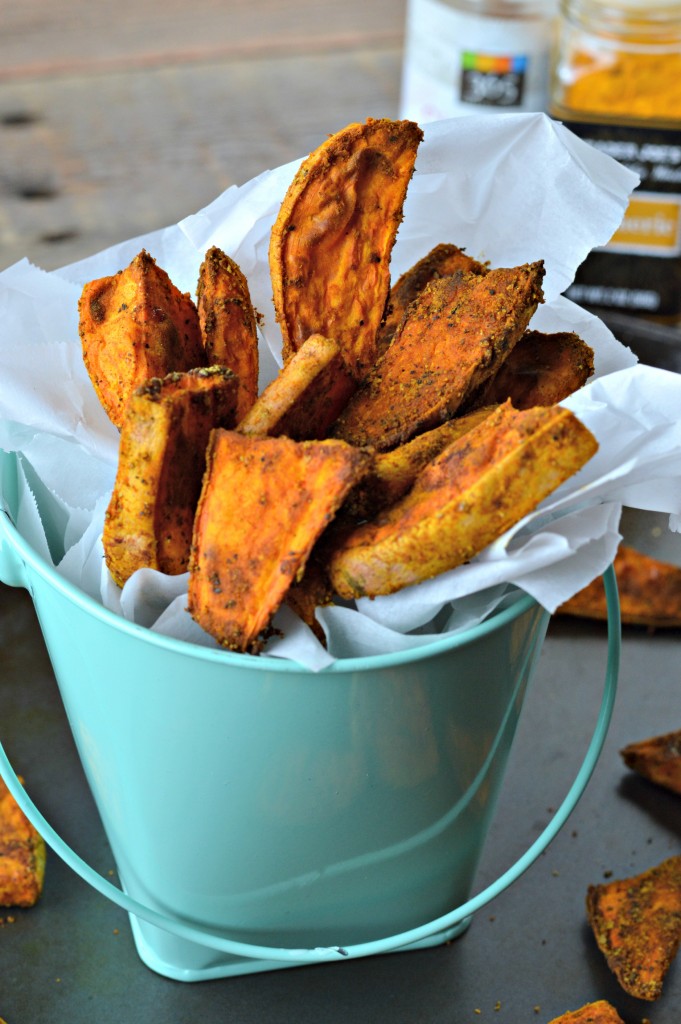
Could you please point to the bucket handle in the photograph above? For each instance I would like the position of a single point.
(203, 936)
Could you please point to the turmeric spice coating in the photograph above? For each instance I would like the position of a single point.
(228, 323)
(599, 1012)
(470, 494)
(542, 369)
(331, 243)
(637, 925)
(22, 855)
(649, 592)
(305, 397)
(454, 337)
(442, 261)
(264, 503)
(164, 435)
(657, 759)
(133, 326)
(634, 84)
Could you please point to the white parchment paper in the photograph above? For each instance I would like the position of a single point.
(510, 189)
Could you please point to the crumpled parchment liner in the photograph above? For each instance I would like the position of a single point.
(509, 189)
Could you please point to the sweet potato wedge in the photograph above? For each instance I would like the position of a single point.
(637, 925)
(542, 369)
(161, 460)
(649, 592)
(599, 1012)
(22, 855)
(331, 243)
(463, 500)
(305, 397)
(264, 503)
(657, 759)
(133, 326)
(228, 323)
(442, 261)
(393, 473)
(451, 341)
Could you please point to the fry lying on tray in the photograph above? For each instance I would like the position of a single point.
(657, 759)
(637, 926)
(599, 1012)
(22, 855)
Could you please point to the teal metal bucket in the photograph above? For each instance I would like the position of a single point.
(262, 815)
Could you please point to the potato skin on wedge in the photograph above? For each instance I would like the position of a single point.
(469, 495)
(264, 503)
(149, 519)
(133, 326)
(331, 243)
(228, 323)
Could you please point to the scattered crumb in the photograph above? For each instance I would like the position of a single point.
(537, 1009)
(555, 873)
(497, 1005)
(607, 874)
(115, 931)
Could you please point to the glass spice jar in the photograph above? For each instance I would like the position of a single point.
(616, 82)
(475, 57)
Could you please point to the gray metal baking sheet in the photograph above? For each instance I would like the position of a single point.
(525, 958)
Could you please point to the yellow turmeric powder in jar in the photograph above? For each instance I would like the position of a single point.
(616, 82)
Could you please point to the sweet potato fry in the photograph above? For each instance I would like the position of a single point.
(393, 473)
(465, 498)
(657, 759)
(331, 244)
(22, 855)
(442, 261)
(637, 926)
(649, 592)
(133, 326)
(264, 503)
(305, 397)
(451, 341)
(161, 459)
(542, 369)
(229, 323)
(599, 1012)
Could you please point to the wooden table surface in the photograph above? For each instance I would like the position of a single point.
(116, 120)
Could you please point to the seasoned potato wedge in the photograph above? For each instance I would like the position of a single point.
(133, 326)
(599, 1012)
(331, 244)
(442, 261)
(393, 473)
(637, 926)
(228, 323)
(264, 503)
(469, 495)
(657, 759)
(451, 341)
(305, 397)
(542, 369)
(649, 592)
(164, 435)
(22, 855)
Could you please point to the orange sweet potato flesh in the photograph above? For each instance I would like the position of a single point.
(22, 855)
(133, 326)
(305, 397)
(393, 473)
(637, 926)
(542, 369)
(164, 436)
(470, 494)
(599, 1012)
(442, 261)
(264, 503)
(331, 243)
(649, 592)
(657, 759)
(455, 336)
(228, 323)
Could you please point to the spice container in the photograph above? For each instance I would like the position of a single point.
(475, 56)
(616, 82)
